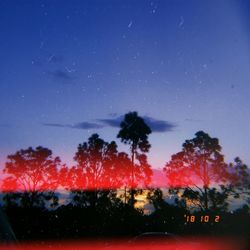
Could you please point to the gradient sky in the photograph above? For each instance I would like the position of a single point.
(72, 68)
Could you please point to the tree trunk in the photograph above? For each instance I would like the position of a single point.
(206, 182)
(125, 195)
(206, 197)
(133, 177)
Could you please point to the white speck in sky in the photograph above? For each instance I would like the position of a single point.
(130, 24)
(181, 23)
(41, 44)
(50, 58)
(152, 4)
(204, 66)
(70, 70)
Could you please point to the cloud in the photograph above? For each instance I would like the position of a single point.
(159, 125)
(112, 122)
(155, 124)
(81, 125)
(88, 125)
(53, 66)
(61, 75)
(56, 125)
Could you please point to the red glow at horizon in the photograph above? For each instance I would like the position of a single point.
(34, 170)
(76, 180)
(116, 244)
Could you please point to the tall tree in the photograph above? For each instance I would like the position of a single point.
(134, 131)
(32, 177)
(98, 173)
(197, 170)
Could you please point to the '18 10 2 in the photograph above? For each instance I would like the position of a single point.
(201, 218)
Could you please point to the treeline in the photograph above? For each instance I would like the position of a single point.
(104, 183)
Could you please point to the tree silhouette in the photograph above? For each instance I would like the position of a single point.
(166, 216)
(134, 131)
(199, 168)
(99, 171)
(32, 177)
(239, 185)
(155, 197)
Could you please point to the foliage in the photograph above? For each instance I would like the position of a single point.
(32, 177)
(197, 169)
(239, 180)
(99, 171)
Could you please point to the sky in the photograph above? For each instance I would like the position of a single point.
(72, 68)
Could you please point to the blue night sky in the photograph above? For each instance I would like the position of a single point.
(72, 68)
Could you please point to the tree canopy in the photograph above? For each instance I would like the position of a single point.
(100, 168)
(198, 168)
(32, 174)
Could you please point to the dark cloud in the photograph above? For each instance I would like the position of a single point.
(113, 114)
(159, 125)
(112, 122)
(81, 125)
(155, 124)
(56, 125)
(88, 125)
(61, 75)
